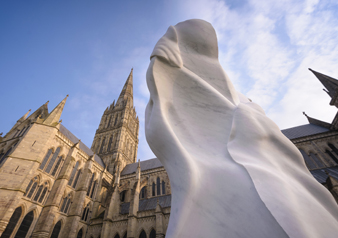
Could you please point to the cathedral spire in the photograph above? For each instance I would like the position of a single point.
(330, 84)
(54, 117)
(126, 94)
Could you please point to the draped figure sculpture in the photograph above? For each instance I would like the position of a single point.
(232, 172)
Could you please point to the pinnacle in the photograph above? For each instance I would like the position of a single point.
(54, 116)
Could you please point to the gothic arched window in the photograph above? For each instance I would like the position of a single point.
(163, 187)
(102, 145)
(116, 119)
(123, 195)
(12, 223)
(44, 161)
(332, 156)
(41, 193)
(78, 174)
(25, 225)
(110, 142)
(109, 122)
(52, 160)
(71, 178)
(153, 189)
(117, 236)
(65, 204)
(143, 234)
(31, 187)
(143, 192)
(125, 235)
(158, 181)
(85, 213)
(79, 234)
(57, 165)
(152, 234)
(93, 189)
(90, 185)
(56, 230)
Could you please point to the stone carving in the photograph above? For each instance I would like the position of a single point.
(232, 172)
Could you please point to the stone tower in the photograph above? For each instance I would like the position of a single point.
(116, 139)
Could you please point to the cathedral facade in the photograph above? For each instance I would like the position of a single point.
(53, 185)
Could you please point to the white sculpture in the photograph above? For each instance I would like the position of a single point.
(232, 172)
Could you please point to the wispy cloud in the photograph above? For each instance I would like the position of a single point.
(266, 48)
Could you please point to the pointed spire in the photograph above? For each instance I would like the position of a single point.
(329, 83)
(54, 117)
(25, 116)
(127, 91)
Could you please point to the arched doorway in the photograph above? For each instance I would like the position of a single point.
(56, 230)
(12, 223)
(25, 225)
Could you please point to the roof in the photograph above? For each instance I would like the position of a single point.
(304, 130)
(82, 146)
(148, 204)
(145, 165)
(321, 176)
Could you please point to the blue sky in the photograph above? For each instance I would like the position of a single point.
(49, 49)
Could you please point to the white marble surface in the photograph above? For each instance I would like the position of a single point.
(232, 172)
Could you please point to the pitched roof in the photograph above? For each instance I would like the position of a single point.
(148, 204)
(304, 130)
(145, 165)
(82, 146)
(321, 176)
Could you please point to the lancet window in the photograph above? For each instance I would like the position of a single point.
(109, 121)
(153, 189)
(66, 202)
(52, 162)
(117, 236)
(158, 181)
(332, 156)
(163, 188)
(71, 181)
(12, 222)
(102, 145)
(85, 213)
(143, 234)
(123, 195)
(152, 234)
(116, 117)
(110, 143)
(25, 225)
(56, 230)
(125, 235)
(36, 192)
(91, 187)
(79, 234)
(143, 193)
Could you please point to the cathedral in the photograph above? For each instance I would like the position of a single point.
(54, 186)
